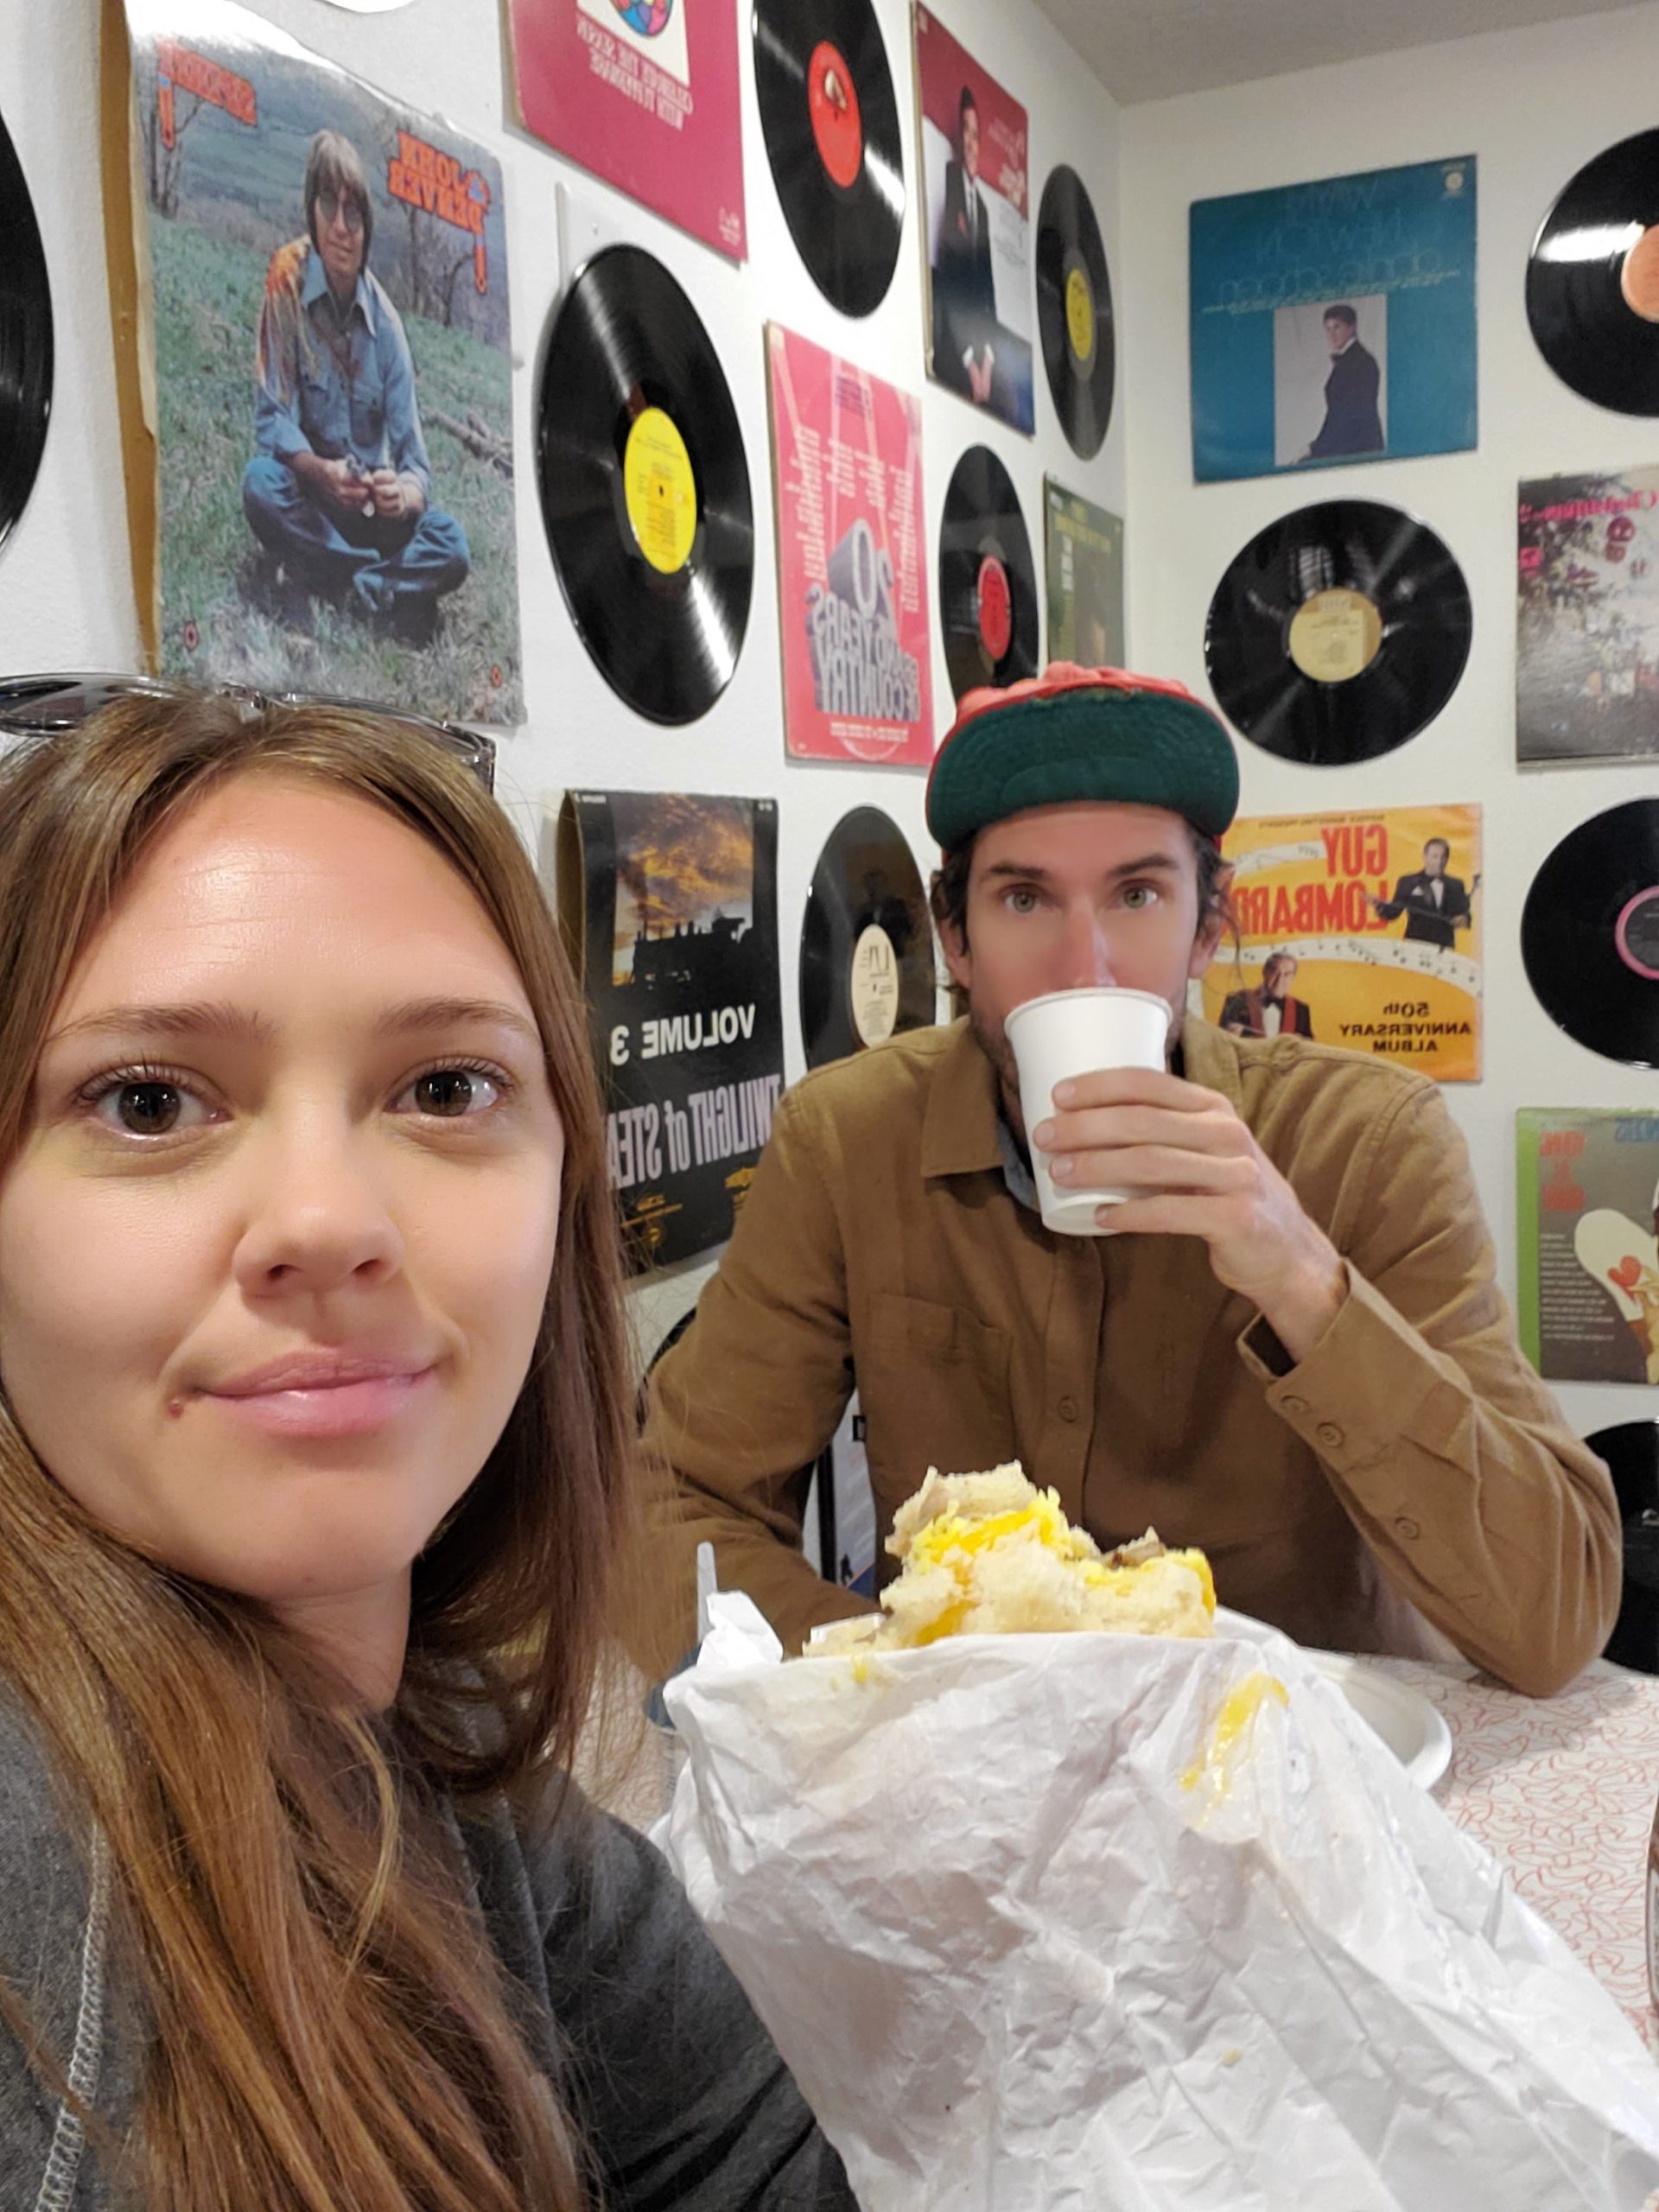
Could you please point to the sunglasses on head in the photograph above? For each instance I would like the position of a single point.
(43, 706)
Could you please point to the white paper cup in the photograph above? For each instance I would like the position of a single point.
(1067, 1033)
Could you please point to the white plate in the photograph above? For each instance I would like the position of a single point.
(1414, 1730)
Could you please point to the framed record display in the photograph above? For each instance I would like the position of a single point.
(1358, 930)
(644, 486)
(644, 93)
(1338, 633)
(321, 492)
(1082, 557)
(1588, 1212)
(852, 575)
(867, 942)
(1590, 934)
(1592, 281)
(831, 125)
(988, 613)
(1586, 670)
(668, 903)
(1334, 322)
(25, 340)
(1074, 312)
(975, 227)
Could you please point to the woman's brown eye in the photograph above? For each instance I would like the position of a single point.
(446, 1091)
(149, 1108)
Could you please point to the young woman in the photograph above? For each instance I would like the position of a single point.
(314, 1464)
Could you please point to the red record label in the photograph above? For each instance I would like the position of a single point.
(996, 601)
(832, 99)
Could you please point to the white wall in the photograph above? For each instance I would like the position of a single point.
(66, 599)
(1532, 105)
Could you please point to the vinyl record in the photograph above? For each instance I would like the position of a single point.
(1631, 1451)
(831, 125)
(25, 340)
(1593, 281)
(1339, 632)
(867, 942)
(1589, 933)
(644, 488)
(988, 588)
(1074, 312)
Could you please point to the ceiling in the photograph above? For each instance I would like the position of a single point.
(1148, 50)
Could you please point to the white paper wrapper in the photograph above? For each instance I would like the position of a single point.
(1020, 1962)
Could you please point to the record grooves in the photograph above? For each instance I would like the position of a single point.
(645, 489)
(1592, 280)
(1338, 633)
(1074, 312)
(987, 586)
(866, 941)
(1590, 934)
(831, 126)
(25, 340)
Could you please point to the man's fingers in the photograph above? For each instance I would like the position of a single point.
(1152, 1167)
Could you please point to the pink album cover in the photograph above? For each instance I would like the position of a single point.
(852, 574)
(645, 94)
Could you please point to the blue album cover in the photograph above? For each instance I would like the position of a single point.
(1334, 322)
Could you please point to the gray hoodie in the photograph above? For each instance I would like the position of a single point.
(684, 2100)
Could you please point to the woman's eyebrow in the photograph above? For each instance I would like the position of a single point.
(218, 1018)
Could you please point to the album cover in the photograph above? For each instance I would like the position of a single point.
(1360, 930)
(322, 492)
(852, 563)
(1334, 322)
(1587, 1200)
(1083, 557)
(645, 94)
(1586, 670)
(669, 904)
(975, 227)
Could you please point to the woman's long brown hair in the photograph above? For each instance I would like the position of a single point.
(331, 2031)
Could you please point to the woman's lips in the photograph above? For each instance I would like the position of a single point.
(347, 1408)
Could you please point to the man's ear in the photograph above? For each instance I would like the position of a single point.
(1215, 923)
(957, 958)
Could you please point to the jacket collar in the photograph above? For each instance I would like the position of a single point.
(960, 1129)
(315, 284)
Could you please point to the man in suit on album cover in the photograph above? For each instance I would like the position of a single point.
(964, 285)
(1435, 904)
(1352, 422)
(1268, 1011)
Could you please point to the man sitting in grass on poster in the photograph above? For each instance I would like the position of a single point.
(339, 488)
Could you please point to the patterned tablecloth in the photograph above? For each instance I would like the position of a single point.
(1562, 1792)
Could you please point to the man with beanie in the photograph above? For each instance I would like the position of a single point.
(1288, 1347)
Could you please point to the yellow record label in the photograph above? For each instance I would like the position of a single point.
(660, 487)
(1080, 313)
(874, 985)
(1335, 635)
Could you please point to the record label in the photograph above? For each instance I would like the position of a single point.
(988, 588)
(1590, 934)
(661, 490)
(1074, 311)
(866, 941)
(1338, 633)
(1335, 635)
(1592, 281)
(645, 489)
(875, 993)
(832, 101)
(830, 121)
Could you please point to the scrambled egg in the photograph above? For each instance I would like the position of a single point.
(988, 1554)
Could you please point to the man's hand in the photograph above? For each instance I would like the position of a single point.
(1204, 1175)
(336, 483)
(396, 498)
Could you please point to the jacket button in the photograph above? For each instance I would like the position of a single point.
(1406, 1527)
(1328, 1432)
(1294, 1405)
(1068, 1409)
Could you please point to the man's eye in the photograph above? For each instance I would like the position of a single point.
(1140, 894)
(454, 1094)
(1021, 899)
